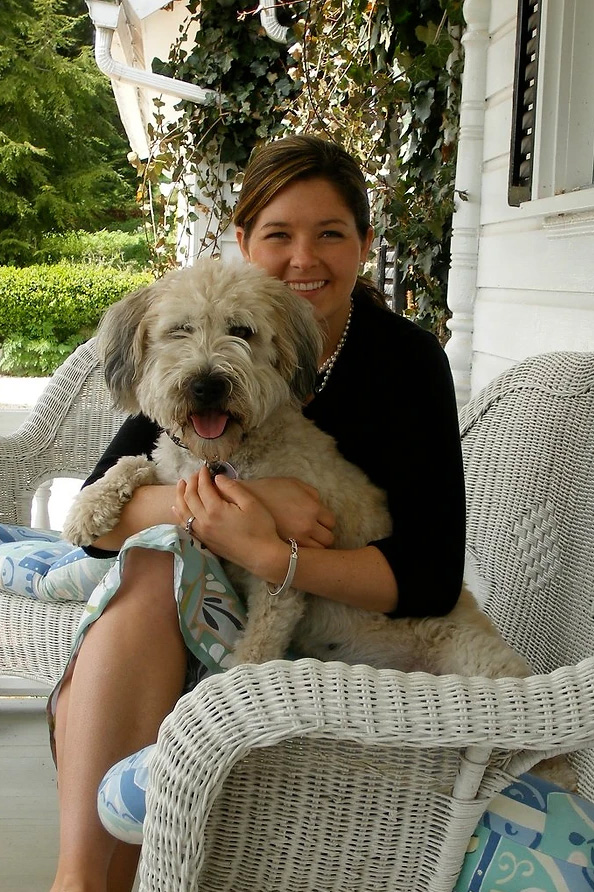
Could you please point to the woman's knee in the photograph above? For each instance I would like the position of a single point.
(147, 581)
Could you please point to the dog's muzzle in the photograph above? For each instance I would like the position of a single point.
(209, 395)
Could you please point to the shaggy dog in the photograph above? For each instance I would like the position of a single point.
(222, 358)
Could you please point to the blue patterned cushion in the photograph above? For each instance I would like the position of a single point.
(121, 798)
(535, 837)
(38, 564)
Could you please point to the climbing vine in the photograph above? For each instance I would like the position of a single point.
(382, 78)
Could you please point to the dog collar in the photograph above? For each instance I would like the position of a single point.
(215, 467)
(176, 440)
(221, 467)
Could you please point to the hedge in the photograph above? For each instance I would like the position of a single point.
(47, 311)
(59, 300)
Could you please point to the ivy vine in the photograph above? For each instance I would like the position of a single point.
(382, 77)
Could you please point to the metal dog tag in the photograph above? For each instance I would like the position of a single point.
(222, 467)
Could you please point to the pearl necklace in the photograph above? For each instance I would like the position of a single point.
(326, 368)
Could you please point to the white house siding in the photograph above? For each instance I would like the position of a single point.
(535, 273)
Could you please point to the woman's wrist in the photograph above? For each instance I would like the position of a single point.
(288, 580)
(272, 564)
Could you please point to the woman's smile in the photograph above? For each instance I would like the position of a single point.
(307, 237)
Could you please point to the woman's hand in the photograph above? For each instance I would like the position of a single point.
(296, 509)
(232, 522)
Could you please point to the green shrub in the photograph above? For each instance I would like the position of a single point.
(46, 311)
(116, 248)
(35, 356)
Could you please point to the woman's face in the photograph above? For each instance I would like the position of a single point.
(307, 237)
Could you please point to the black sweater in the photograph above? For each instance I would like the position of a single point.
(389, 403)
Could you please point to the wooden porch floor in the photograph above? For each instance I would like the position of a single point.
(28, 798)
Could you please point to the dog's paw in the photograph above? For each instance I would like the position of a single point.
(96, 509)
(80, 526)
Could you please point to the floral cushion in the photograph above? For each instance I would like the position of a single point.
(39, 564)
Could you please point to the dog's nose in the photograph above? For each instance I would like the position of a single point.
(210, 390)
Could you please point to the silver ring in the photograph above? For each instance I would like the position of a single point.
(188, 526)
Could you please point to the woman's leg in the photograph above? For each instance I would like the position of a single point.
(127, 677)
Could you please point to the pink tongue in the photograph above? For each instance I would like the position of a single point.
(211, 424)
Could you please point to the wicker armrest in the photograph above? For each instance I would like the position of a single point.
(449, 739)
(251, 706)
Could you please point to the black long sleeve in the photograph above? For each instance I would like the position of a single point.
(390, 405)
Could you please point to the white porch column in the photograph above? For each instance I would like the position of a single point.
(193, 239)
(466, 222)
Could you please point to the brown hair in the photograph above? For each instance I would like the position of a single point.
(304, 157)
(301, 157)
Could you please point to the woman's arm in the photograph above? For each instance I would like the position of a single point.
(149, 506)
(294, 505)
(426, 498)
(339, 575)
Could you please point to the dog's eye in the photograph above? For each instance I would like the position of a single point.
(241, 331)
(179, 331)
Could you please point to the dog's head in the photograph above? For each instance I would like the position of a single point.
(209, 352)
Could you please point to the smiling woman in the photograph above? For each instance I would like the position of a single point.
(307, 237)
(303, 217)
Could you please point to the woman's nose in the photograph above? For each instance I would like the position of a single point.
(303, 254)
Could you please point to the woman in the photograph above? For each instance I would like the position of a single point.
(384, 392)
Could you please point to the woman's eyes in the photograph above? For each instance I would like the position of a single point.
(326, 233)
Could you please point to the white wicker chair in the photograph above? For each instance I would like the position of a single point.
(67, 431)
(309, 776)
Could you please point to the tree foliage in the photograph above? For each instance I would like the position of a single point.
(379, 76)
(199, 153)
(62, 148)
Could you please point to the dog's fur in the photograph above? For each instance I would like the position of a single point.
(228, 338)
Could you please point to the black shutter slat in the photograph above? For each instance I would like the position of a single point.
(524, 105)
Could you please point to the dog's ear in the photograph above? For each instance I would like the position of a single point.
(120, 345)
(299, 345)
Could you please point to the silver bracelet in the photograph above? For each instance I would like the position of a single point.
(290, 572)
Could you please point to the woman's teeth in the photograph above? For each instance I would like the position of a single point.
(306, 286)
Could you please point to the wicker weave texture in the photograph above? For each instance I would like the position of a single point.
(67, 431)
(311, 776)
(528, 442)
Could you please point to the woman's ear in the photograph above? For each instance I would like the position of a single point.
(366, 245)
(242, 241)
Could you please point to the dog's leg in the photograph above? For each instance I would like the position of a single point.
(97, 508)
(270, 624)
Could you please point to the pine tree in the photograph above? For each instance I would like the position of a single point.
(62, 148)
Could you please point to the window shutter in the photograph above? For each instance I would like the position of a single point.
(524, 106)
